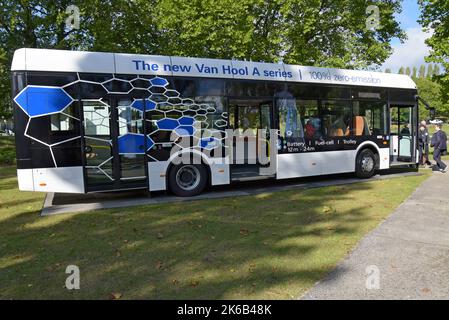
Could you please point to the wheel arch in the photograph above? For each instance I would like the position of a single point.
(204, 160)
(371, 146)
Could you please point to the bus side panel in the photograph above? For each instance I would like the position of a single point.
(220, 173)
(25, 179)
(157, 172)
(295, 165)
(384, 158)
(47, 132)
(66, 180)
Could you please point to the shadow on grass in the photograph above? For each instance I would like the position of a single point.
(271, 245)
(8, 175)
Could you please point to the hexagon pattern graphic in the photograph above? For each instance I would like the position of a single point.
(183, 116)
(133, 143)
(38, 101)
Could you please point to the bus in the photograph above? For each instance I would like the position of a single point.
(95, 121)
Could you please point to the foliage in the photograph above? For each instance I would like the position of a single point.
(320, 33)
(422, 72)
(7, 151)
(433, 70)
(435, 17)
(311, 32)
(5, 101)
(430, 91)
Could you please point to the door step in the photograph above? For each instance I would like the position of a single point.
(252, 178)
(398, 163)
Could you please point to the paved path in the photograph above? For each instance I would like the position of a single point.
(410, 250)
(65, 203)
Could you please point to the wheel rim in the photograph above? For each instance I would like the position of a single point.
(367, 164)
(188, 177)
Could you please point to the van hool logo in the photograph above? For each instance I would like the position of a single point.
(223, 69)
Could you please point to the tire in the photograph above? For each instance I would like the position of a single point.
(186, 180)
(365, 164)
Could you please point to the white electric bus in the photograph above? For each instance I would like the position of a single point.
(90, 121)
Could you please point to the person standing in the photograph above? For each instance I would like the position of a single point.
(439, 143)
(423, 144)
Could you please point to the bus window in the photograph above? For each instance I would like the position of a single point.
(66, 120)
(311, 119)
(336, 117)
(369, 118)
(214, 119)
(298, 119)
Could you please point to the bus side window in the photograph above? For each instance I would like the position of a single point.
(298, 119)
(65, 122)
(336, 118)
(369, 118)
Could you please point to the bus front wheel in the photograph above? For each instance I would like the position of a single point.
(186, 180)
(365, 164)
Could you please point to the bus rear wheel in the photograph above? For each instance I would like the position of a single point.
(365, 164)
(186, 180)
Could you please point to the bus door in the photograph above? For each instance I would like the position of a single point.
(403, 126)
(247, 117)
(114, 144)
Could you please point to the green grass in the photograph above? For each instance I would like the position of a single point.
(266, 246)
(7, 151)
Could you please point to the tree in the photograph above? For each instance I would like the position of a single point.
(320, 33)
(431, 92)
(434, 16)
(388, 70)
(401, 70)
(436, 70)
(430, 71)
(407, 71)
(422, 72)
(5, 104)
(117, 25)
(414, 72)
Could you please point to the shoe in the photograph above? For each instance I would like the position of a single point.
(444, 170)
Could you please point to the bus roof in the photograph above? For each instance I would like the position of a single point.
(121, 63)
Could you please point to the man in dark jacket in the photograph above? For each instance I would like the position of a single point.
(439, 143)
(423, 144)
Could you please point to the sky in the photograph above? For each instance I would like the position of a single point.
(413, 50)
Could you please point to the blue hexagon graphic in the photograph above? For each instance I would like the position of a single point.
(185, 130)
(186, 121)
(159, 82)
(167, 124)
(133, 143)
(208, 143)
(138, 104)
(40, 101)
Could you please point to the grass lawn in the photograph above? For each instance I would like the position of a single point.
(267, 246)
